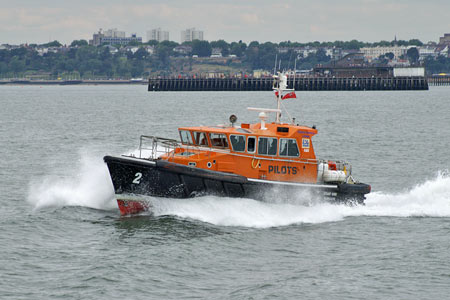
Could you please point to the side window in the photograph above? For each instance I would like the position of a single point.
(272, 146)
(186, 137)
(251, 144)
(283, 147)
(262, 146)
(292, 148)
(218, 140)
(238, 142)
(267, 146)
(288, 147)
(200, 138)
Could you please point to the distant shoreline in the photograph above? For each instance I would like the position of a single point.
(72, 82)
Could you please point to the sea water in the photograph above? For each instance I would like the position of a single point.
(62, 236)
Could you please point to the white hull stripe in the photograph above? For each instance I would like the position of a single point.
(141, 160)
(130, 197)
(326, 186)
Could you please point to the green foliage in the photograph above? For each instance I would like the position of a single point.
(415, 42)
(201, 48)
(79, 43)
(261, 56)
(382, 44)
(413, 54)
(163, 52)
(85, 61)
(219, 44)
(238, 49)
(55, 43)
(224, 46)
(312, 60)
(389, 55)
(169, 44)
(16, 65)
(436, 66)
(152, 43)
(141, 54)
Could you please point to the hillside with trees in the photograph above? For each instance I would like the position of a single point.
(168, 58)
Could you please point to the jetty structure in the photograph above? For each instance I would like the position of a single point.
(393, 79)
(301, 84)
(442, 79)
(350, 73)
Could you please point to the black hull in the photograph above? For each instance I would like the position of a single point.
(133, 176)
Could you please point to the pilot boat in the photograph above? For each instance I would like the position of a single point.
(259, 160)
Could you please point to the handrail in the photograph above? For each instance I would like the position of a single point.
(169, 145)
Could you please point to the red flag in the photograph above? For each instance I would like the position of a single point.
(289, 95)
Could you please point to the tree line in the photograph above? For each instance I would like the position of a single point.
(154, 57)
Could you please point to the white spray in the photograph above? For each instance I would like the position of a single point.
(91, 186)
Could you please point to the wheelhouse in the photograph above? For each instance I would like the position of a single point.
(283, 142)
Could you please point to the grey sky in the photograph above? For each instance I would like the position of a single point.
(323, 20)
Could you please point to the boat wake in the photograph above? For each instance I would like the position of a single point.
(90, 186)
(429, 199)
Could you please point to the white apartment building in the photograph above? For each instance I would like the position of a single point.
(374, 52)
(426, 51)
(157, 34)
(113, 37)
(191, 34)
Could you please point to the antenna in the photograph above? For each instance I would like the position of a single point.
(295, 72)
(290, 57)
(275, 66)
(279, 65)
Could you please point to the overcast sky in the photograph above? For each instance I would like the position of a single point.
(34, 21)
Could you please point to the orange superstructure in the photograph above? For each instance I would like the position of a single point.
(281, 152)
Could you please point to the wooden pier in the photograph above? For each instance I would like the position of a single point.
(439, 80)
(301, 84)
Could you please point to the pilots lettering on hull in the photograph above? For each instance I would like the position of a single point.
(283, 170)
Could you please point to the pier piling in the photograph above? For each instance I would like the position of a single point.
(301, 84)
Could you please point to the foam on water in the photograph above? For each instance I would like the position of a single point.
(243, 212)
(429, 199)
(90, 186)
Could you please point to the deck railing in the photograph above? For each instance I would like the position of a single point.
(157, 146)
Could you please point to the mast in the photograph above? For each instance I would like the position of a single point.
(275, 66)
(295, 72)
(279, 88)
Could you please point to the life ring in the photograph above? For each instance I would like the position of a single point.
(257, 163)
